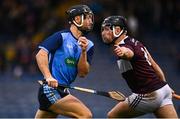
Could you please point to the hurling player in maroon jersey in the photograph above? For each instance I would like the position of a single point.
(151, 93)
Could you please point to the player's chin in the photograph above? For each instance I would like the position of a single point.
(106, 40)
(90, 28)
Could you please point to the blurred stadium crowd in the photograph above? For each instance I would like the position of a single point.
(25, 23)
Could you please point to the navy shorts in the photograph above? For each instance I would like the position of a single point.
(48, 96)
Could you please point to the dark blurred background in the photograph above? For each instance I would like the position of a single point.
(25, 23)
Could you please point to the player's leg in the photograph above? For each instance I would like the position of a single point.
(122, 110)
(133, 106)
(71, 106)
(61, 102)
(167, 111)
(45, 114)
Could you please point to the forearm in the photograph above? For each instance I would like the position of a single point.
(128, 54)
(42, 61)
(156, 67)
(124, 53)
(159, 72)
(83, 65)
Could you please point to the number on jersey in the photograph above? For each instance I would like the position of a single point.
(146, 55)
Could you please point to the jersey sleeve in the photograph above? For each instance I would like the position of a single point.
(51, 43)
(90, 54)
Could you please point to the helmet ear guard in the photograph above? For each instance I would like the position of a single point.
(82, 20)
(117, 35)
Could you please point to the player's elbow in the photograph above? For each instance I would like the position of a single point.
(41, 54)
(37, 56)
(83, 73)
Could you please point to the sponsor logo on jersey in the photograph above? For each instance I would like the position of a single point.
(70, 62)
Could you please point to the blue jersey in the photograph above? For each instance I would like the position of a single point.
(64, 53)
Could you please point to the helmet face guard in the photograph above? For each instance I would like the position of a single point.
(112, 22)
(79, 10)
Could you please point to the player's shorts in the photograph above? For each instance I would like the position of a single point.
(48, 96)
(148, 103)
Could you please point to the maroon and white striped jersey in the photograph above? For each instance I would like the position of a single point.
(138, 72)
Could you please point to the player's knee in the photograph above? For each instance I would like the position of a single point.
(86, 114)
(110, 115)
(89, 115)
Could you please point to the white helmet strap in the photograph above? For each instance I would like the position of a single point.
(82, 20)
(117, 35)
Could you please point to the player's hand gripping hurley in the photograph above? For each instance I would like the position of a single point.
(116, 95)
(175, 95)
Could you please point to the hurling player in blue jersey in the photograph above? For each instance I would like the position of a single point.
(61, 57)
(151, 93)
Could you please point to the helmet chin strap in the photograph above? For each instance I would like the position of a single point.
(80, 25)
(117, 35)
(82, 20)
